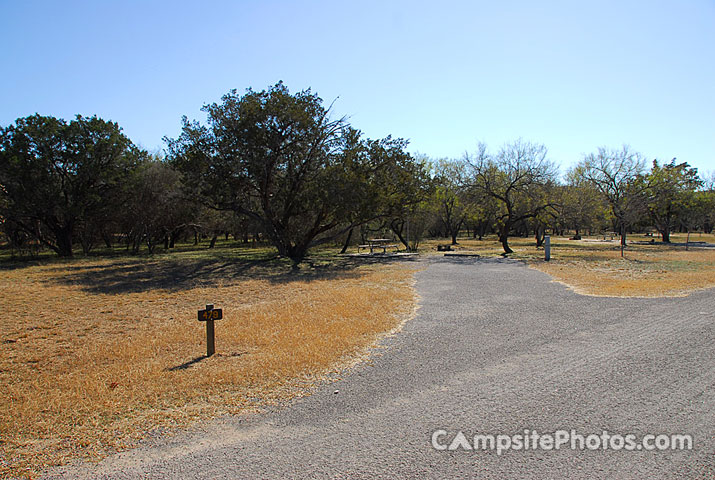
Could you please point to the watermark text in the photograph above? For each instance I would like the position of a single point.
(559, 439)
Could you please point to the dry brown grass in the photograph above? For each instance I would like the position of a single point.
(85, 370)
(645, 271)
(594, 267)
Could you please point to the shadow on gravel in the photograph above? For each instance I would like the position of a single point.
(477, 260)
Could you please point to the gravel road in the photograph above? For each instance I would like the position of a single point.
(495, 348)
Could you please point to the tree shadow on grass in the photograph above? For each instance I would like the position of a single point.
(173, 275)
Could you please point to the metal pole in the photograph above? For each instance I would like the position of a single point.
(210, 340)
(547, 248)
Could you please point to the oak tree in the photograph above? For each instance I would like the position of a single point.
(58, 176)
(281, 160)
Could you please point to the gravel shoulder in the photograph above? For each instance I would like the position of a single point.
(495, 348)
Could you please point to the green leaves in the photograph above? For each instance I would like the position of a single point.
(57, 174)
(280, 159)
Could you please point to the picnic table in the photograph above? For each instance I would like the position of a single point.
(373, 243)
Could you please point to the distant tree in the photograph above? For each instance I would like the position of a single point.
(616, 174)
(517, 178)
(158, 207)
(706, 198)
(482, 214)
(412, 212)
(709, 181)
(449, 198)
(57, 176)
(707, 195)
(581, 206)
(414, 225)
(280, 160)
(16, 238)
(695, 211)
(669, 189)
(214, 223)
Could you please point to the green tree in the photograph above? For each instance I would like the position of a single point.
(157, 207)
(279, 159)
(582, 207)
(449, 198)
(696, 207)
(669, 190)
(57, 176)
(482, 213)
(412, 210)
(707, 199)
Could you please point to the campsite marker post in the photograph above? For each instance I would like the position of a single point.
(209, 315)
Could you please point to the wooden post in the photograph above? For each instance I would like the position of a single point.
(687, 240)
(210, 339)
(547, 247)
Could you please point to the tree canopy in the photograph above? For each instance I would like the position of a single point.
(58, 177)
(277, 166)
(616, 174)
(670, 191)
(280, 159)
(518, 178)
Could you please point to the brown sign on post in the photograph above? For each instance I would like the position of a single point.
(213, 314)
(209, 315)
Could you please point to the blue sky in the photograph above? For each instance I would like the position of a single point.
(571, 75)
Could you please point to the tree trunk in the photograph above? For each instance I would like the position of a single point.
(347, 241)
(623, 239)
(107, 237)
(150, 244)
(64, 241)
(86, 245)
(504, 239)
(297, 254)
(539, 233)
(136, 243)
(212, 244)
(403, 240)
(687, 239)
(665, 233)
(482, 231)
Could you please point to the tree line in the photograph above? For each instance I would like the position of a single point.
(277, 166)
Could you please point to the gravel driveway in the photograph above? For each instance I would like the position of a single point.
(496, 348)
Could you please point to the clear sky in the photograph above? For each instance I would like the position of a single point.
(573, 75)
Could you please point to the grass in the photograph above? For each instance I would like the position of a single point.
(99, 353)
(594, 267)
